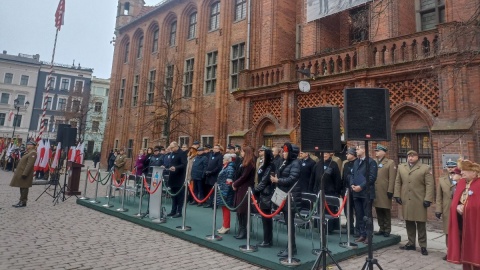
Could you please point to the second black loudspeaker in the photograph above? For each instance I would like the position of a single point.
(61, 131)
(320, 128)
(367, 114)
(69, 137)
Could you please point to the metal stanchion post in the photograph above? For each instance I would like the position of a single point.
(213, 236)
(289, 261)
(348, 244)
(161, 219)
(248, 247)
(108, 205)
(84, 197)
(140, 214)
(184, 214)
(96, 190)
(122, 208)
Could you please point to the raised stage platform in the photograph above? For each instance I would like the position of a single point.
(200, 220)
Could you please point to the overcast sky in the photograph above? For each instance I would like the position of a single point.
(28, 27)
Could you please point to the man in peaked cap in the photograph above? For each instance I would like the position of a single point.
(414, 189)
(384, 190)
(23, 176)
(445, 190)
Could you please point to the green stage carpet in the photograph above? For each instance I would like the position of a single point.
(200, 220)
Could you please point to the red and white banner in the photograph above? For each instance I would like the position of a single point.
(10, 115)
(40, 151)
(60, 14)
(56, 158)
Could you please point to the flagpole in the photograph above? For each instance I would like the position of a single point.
(47, 88)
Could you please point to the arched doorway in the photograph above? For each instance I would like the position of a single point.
(267, 137)
(413, 133)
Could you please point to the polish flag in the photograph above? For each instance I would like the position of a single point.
(40, 150)
(10, 115)
(56, 158)
(47, 152)
(79, 153)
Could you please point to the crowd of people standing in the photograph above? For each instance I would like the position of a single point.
(410, 184)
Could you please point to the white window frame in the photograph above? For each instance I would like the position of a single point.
(207, 136)
(9, 96)
(61, 82)
(54, 82)
(28, 79)
(66, 102)
(183, 139)
(43, 100)
(75, 85)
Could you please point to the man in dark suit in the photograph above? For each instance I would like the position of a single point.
(214, 166)
(359, 188)
(177, 168)
(307, 164)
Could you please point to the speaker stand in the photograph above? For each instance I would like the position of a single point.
(370, 261)
(323, 251)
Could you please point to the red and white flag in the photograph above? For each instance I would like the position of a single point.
(60, 14)
(40, 151)
(10, 115)
(56, 158)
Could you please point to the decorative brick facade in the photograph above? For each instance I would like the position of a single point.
(433, 75)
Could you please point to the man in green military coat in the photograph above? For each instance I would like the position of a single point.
(414, 189)
(384, 190)
(120, 161)
(23, 176)
(445, 190)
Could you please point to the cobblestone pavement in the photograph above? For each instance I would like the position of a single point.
(69, 236)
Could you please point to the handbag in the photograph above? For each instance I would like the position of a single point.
(278, 196)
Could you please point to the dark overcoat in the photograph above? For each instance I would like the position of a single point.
(242, 183)
(23, 176)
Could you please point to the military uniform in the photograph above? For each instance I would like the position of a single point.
(415, 185)
(383, 185)
(445, 190)
(120, 163)
(23, 176)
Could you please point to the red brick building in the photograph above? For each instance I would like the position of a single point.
(231, 69)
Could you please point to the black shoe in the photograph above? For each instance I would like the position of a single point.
(193, 203)
(387, 234)
(378, 233)
(444, 258)
(208, 206)
(424, 251)
(408, 247)
(241, 235)
(20, 204)
(284, 253)
(200, 204)
(264, 244)
(171, 214)
(177, 215)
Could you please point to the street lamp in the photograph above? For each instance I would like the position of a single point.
(17, 107)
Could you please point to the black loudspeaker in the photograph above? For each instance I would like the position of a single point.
(320, 128)
(61, 131)
(69, 137)
(367, 114)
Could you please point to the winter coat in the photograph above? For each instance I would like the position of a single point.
(246, 180)
(146, 163)
(178, 160)
(214, 166)
(305, 173)
(445, 190)
(288, 175)
(359, 179)
(347, 176)
(139, 164)
(23, 176)
(278, 161)
(111, 161)
(120, 164)
(385, 183)
(225, 189)
(414, 186)
(265, 187)
(199, 166)
(329, 172)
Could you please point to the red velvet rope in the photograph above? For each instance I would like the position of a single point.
(195, 197)
(94, 178)
(339, 210)
(145, 184)
(267, 215)
(114, 181)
